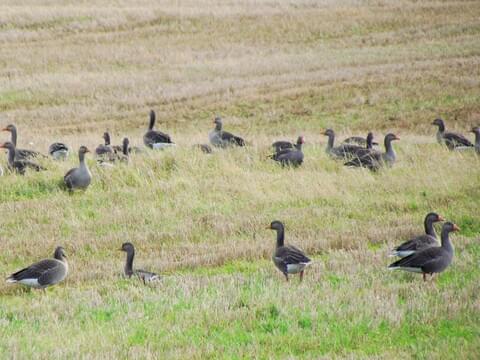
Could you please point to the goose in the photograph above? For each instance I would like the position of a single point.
(44, 273)
(156, 139)
(476, 131)
(105, 150)
(359, 151)
(339, 152)
(376, 159)
(432, 259)
(420, 242)
(58, 151)
(80, 177)
(288, 258)
(145, 276)
(223, 139)
(358, 140)
(124, 156)
(285, 145)
(20, 154)
(20, 165)
(453, 141)
(292, 157)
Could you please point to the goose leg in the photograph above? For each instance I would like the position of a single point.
(424, 277)
(301, 276)
(286, 276)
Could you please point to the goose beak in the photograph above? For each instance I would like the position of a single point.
(455, 227)
(396, 138)
(441, 218)
(5, 129)
(268, 228)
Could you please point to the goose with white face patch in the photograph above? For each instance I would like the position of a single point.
(420, 242)
(44, 273)
(288, 258)
(430, 260)
(145, 276)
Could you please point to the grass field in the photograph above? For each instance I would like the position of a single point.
(273, 70)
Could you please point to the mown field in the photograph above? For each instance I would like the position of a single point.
(273, 70)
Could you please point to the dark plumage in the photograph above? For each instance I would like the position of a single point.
(145, 276)
(19, 165)
(105, 150)
(290, 157)
(288, 258)
(58, 151)
(342, 151)
(43, 273)
(207, 149)
(155, 139)
(452, 140)
(358, 140)
(20, 154)
(222, 139)
(80, 177)
(374, 160)
(420, 242)
(286, 145)
(430, 260)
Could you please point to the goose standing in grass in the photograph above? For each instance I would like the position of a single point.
(44, 273)
(288, 258)
(156, 139)
(58, 151)
(20, 154)
(453, 141)
(105, 150)
(430, 260)
(476, 131)
(145, 276)
(223, 139)
(80, 177)
(19, 165)
(286, 145)
(376, 159)
(420, 242)
(290, 157)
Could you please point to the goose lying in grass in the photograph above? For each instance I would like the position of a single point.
(156, 139)
(374, 160)
(453, 141)
(288, 258)
(223, 139)
(19, 165)
(44, 273)
(291, 157)
(286, 145)
(80, 177)
(143, 275)
(58, 151)
(20, 154)
(420, 242)
(432, 259)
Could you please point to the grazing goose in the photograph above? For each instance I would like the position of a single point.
(20, 165)
(105, 150)
(145, 276)
(80, 177)
(285, 145)
(430, 260)
(58, 151)
(476, 131)
(376, 159)
(290, 157)
(358, 140)
(156, 139)
(43, 273)
(20, 154)
(288, 258)
(452, 140)
(223, 139)
(420, 242)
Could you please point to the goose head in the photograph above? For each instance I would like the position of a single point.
(59, 253)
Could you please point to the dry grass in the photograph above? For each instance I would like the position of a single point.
(273, 69)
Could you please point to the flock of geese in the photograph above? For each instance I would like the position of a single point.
(422, 254)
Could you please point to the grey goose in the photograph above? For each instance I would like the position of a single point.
(420, 242)
(285, 145)
(345, 151)
(432, 259)
(453, 140)
(20, 154)
(374, 160)
(80, 177)
(290, 157)
(44, 273)
(58, 151)
(145, 276)
(19, 165)
(288, 258)
(155, 139)
(105, 151)
(223, 139)
(358, 140)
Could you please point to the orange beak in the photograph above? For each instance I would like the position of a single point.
(396, 137)
(455, 227)
(441, 218)
(5, 129)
